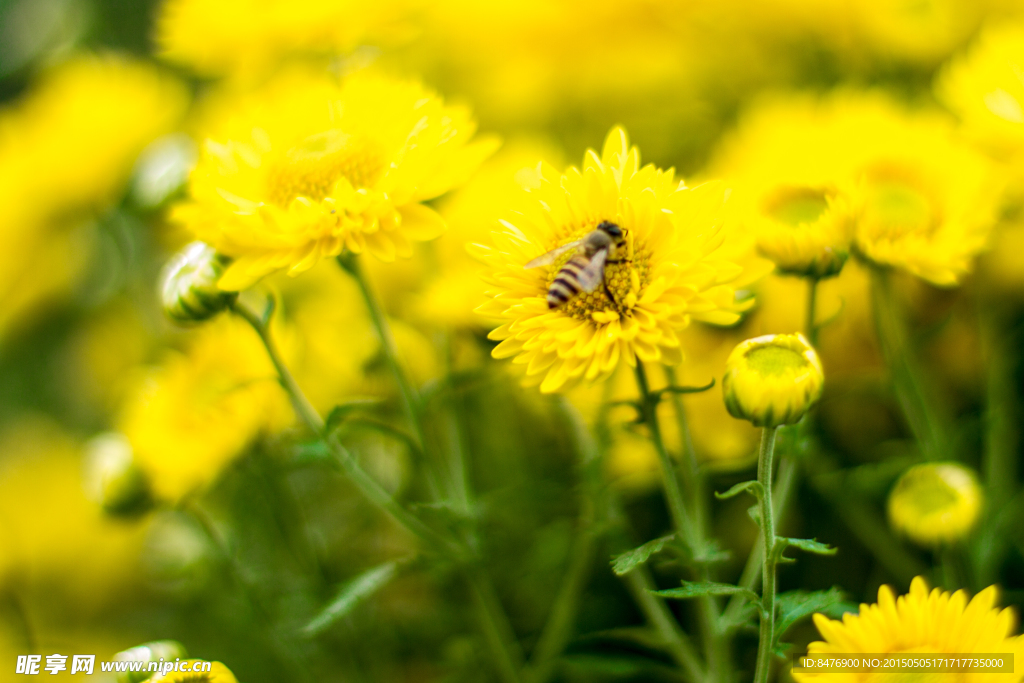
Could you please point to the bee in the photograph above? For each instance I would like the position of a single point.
(585, 270)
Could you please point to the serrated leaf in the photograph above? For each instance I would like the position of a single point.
(700, 589)
(808, 545)
(753, 487)
(793, 606)
(351, 594)
(629, 560)
(343, 410)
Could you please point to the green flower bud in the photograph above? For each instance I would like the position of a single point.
(772, 380)
(112, 477)
(189, 290)
(168, 650)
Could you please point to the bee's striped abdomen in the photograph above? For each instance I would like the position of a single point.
(566, 284)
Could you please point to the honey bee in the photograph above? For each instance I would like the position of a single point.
(584, 271)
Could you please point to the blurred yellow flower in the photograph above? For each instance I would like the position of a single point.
(246, 37)
(935, 503)
(66, 149)
(772, 380)
(935, 622)
(189, 417)
(926, 202)
(983, 87)
(790, 190)
(306, 167)
(673, 269)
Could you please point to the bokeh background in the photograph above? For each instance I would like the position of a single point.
(244, 534)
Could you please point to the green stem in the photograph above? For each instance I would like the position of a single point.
(498, 632)
(810, 324)
(410, 398)
(309, 415)
(688, 532)
(909, 382)
(767, 512)
(669, 477)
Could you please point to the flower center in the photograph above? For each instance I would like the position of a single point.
(797, 206)
(625, 278)
(772, 360)
(313, 166)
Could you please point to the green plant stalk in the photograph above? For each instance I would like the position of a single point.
(811, 324)
(912, 390)
(684, 525)
(489, 609)
(410, 398)
(497, 629)
(370, 489)
(764, 477)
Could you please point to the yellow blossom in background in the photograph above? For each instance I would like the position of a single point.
(673, 269)
(923, 621)
(926, 202)
(983, 87)
(66, 150)
(935, 503)
(246, 37)
(306, 167)
(195, 412)
(790, 191)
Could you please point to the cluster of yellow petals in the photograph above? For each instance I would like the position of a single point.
(923, 621)
(676, 266)
(307, 166)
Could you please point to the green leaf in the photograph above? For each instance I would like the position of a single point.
(753, 487)
(808, 545)
(312, 451)
(341, 411)
(351, 594)
(627, 561)
(700, 589)
(712, 553)
(796, 605)
(684, 390)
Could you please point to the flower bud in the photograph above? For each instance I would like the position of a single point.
(167, 650)
(188, 290)
(112, 477)
(772, 380)
(935, 503)
(805, 230)
(218, 673)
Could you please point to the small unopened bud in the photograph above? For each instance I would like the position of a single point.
(166, 650)
(188, 286)
(772, 380)
(805, 230)
(935, 503)
(112, 477)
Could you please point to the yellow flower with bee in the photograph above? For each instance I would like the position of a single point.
(654, 255)
(306, 167)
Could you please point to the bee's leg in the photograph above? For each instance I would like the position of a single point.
(608, 293)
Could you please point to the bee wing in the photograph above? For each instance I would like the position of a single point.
(591, 276)
(549, 258)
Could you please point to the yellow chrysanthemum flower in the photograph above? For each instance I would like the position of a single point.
(935, 503)
(920, 622)
(983, 87)
(245, 37)
(192, 415)
(66, 150)
(674, 267)
(218, 673)
(772, 380)
(306, 167)
(926, 202)
(790, 191)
